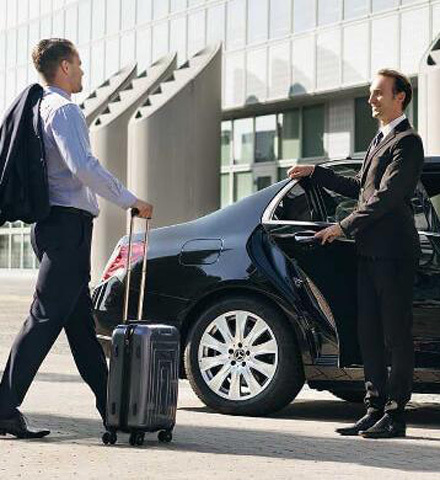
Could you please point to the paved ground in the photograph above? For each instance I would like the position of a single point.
(298, 443)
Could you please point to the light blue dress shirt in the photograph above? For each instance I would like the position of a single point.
(75, 176)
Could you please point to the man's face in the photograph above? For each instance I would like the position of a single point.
(385, 105)
(74, 73)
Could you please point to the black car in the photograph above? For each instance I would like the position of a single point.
(261, 306)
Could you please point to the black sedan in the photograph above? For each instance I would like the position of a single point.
(261, 306)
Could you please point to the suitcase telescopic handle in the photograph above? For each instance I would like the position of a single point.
(134, 212)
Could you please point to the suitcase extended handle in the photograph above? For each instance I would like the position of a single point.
(133, 213)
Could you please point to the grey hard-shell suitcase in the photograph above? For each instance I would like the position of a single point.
(144, 372)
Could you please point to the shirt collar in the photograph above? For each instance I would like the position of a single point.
(392, 125)
(60, 91)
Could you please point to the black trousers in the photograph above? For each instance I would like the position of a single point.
(385, 296)
(62, 243)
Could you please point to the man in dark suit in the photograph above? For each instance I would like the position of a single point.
(388, 251)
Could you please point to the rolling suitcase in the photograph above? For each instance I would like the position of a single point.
(143, 374)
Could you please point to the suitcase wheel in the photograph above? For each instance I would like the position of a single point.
(165, 436)
(109, 438)
(137, 438)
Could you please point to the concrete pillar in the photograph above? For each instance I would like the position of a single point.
(109, 141)
(429, 99)
(174, 142)
(97, 101)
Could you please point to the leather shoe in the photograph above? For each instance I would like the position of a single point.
(17, 426)
(362, 424)
(389, 426)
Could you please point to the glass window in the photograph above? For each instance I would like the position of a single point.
(84, 25)
(338, 206)
(365, 126)
(72, 23)
(256, 78)
(233, 93)
(257, 21)
(2, 14)
(58, 25)
(236, 23)
(16, 241)
(196, 32)
(11, 48)
(313, 131)
(226, 142)
(355, 8)
(84, 53)
(57, 4)
(4, 251)
(378, 5)
(46, 27)
(113, 16)
(290, 134)
(177, 5)
(192, 3)
(243, 185)
(23, 11)
(303, 15)
(265, 138)
(282, 173)
(143, 44)
(160, 8)
(216, 24)
(21, 78)
(225, 190)
(329, 11)
(111, 56)
(46, 6)
(34, 8)
(244, 140)
(143, 11)
(280, 15)
(98, 23)
(263, 182)
(10, 85)
(127, 48)
(34, 36)
(178, 38)
(160, 40)
(296, 206)
(97, 70)
(22, 43)
(12, 13)
(28, 254)
(128, 14)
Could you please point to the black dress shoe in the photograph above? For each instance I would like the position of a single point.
(389, 426)
(362, 424)
(17, 426)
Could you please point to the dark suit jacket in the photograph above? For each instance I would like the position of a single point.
(23, 178)
(383, 223)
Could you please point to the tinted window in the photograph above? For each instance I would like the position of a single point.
(296, 205)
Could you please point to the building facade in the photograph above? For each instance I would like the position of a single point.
(295, 72)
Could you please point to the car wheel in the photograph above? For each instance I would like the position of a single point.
(242, 358)
(353, 396)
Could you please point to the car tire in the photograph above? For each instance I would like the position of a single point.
(286, 375)
(352, 396)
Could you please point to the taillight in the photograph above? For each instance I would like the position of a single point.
(118, 261)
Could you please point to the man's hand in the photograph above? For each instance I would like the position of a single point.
(329, 234)
(300, 171)
(145, 209)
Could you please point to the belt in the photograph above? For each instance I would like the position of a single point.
(76, 211)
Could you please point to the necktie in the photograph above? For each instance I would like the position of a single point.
(377, 139)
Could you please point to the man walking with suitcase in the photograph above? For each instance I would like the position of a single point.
(62, 242)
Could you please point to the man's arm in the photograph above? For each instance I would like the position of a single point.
(399, 181)
(70, 134)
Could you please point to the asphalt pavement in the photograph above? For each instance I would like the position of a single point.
(297, 443)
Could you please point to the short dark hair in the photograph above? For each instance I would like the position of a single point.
(401, 84)
(48, 54)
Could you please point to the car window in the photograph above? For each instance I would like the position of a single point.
(297, 204)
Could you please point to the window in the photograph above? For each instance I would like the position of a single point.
(128, 14)
(84, 25)
(28, 254)
(97, 70)
(98, 17)
(290, 134)
(160, 9)
(216, 24)
(160, 40)
(4, 251)
(280, 15)
(224, 190)
(196, 32)
(355, 8)
(16, 244)
(143, 11)
(58, 24)
(72, 23)
(113, 16)
(243, 185)
(177, 5)
(127, 48)
(244, 140)
(329, 11)
(22, 42)
(365, 126)
(11, 48)
(337, 206)
(236, 23)
(378, 5)
(303, 15)
(257, 21)
(295, 206)
(265, 138)
(263, 182)
(178, 38)
(111, 56)
(313, 131)
(23, 11)
(143, 44)
(193, 3)
(226, 142)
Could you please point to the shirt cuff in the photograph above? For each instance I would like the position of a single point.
(127, 199)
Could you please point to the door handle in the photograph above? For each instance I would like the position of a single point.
(306, 237)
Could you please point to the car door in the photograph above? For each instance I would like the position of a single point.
(327, 273)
